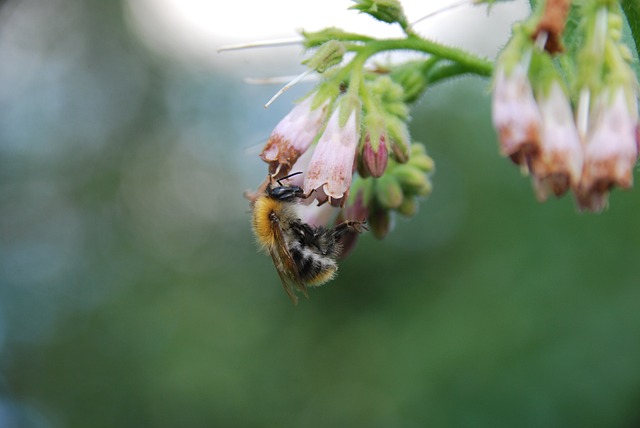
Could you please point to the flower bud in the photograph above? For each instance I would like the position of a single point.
(422, 162)
(399, 139)
(380, 222)
(426, 189)
(417, 149)
(412, 180)
(389, 11)
(391, 97)
(412, 77)
(388, 192)
(328, 54)
(375, 155)
(408, 207)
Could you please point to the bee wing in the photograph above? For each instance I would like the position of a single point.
(286, 267)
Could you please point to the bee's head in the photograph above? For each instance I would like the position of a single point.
(284, 192)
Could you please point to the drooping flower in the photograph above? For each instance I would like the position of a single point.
(331, 167)
(611, 147)
(558, 164)
(293, 135)
(516, 116)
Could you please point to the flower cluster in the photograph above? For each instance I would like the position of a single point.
(590, 148)
(398, 190)
(564, 107)
(331, 140)
(349, 137)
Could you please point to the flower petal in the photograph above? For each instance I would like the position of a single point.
(331, 166)
(515, 113)
(558, 164)
(293, 135)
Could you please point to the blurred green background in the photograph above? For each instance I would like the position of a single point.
(132, 295)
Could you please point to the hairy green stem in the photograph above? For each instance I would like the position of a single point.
(445, 71)
(357, 67)
(472, 63)
(313, 39)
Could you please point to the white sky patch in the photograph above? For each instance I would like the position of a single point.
(196, 29)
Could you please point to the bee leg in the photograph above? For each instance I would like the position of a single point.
(347, 233)
(307, 195)
(358, 226)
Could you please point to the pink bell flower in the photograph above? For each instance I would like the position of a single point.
(611, 148)
(330, 170)
(293, 135)
(558, 163)
(515, 113)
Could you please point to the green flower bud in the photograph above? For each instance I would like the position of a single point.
(389, 11)
(408, 207)
(399, 139)
(426, 189)
(388, 192)
(412, 77)
(422, 162)
(380, 222)
(388, 90)
(391, 96)
(397, 109)
(418, 148)
(328, 54)
(412, 180)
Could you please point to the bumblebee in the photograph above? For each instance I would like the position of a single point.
(303, 255)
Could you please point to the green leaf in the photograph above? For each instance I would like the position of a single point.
(631, 9)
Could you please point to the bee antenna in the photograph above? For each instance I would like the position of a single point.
(288, 176)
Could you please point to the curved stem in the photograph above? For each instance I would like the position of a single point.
(313, 39)
(472, 63)
(445, 71)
